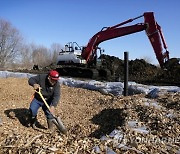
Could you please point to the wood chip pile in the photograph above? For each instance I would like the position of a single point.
(96, 123)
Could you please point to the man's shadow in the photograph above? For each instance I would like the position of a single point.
(108, 120)
(23, 115)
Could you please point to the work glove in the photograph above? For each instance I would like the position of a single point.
(52, 110)
(36, 86)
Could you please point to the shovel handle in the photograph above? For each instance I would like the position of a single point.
(40, 94)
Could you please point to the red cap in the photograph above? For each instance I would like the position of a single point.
(54, 75)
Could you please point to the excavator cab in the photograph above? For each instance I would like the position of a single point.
(71, 47)
(71, 55)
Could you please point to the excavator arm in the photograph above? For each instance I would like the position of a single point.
(153, 31)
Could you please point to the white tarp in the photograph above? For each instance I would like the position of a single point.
(115, 88)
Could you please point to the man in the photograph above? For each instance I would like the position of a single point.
(50, 90)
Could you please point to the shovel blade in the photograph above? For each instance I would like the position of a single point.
(57, 121)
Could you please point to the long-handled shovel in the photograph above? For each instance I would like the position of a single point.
(56, 120)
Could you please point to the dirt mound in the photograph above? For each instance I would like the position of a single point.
(142, 72)
(142, 125)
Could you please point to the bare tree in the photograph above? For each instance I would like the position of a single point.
(10, 42)
(40, 55)
(26, 57)
(55, 49)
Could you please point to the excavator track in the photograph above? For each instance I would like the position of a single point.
(78, 72)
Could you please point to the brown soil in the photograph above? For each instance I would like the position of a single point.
(143, 72)
(87, 115)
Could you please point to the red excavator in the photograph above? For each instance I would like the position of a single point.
(74, 54)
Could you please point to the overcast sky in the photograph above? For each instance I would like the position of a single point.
(44, 22)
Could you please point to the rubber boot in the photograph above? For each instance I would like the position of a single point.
(50, 124)
(32, 120)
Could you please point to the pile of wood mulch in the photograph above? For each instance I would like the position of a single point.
(96, 123)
